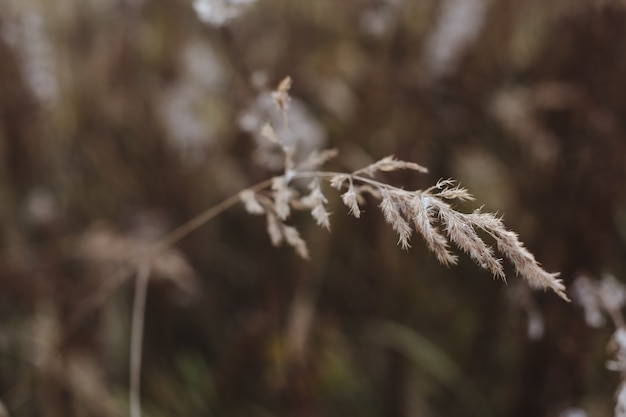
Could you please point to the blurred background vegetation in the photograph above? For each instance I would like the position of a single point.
(121, 119)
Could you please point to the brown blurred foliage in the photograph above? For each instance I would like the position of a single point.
(121, 119)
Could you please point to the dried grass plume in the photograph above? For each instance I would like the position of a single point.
(429, 213)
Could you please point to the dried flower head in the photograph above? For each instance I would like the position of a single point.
(428, 212)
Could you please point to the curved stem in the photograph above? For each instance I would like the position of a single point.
(136, 336)
(141, 289)
(351, 176)
(102, 292)
(186, 228)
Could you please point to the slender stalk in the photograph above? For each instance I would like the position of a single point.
(351, 176)
(108, 287)
(193, 224)
(136, 336)
(141, 289)
(100, 294)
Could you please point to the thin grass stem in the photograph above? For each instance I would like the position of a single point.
(136, 337)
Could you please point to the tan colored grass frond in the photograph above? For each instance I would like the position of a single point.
(351, 200)
(292, 236)
(461, 231)
(337, 180)
(284, 85)
(283, 195)
(367, 189)
(430, 212)
(278, 231)
(317, 159)
(315, 200)
(525, 263)
(250, 202)
(514, 250)
(442, 184)
(456, 193)
(274, 229)
(423, 216)
(390, 163)
(450, 190)
(281, 94)
(390, 206)
(321, 216)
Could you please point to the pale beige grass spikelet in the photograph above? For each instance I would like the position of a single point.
(430, 212)
(423, 215)
(351, 201)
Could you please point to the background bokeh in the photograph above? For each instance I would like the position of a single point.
(122, 119)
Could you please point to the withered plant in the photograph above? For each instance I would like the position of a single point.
(429, 212)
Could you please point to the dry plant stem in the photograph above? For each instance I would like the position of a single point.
(100, 294)
(103, 291)
(141, 289)
(136, 337)
(193, 224)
